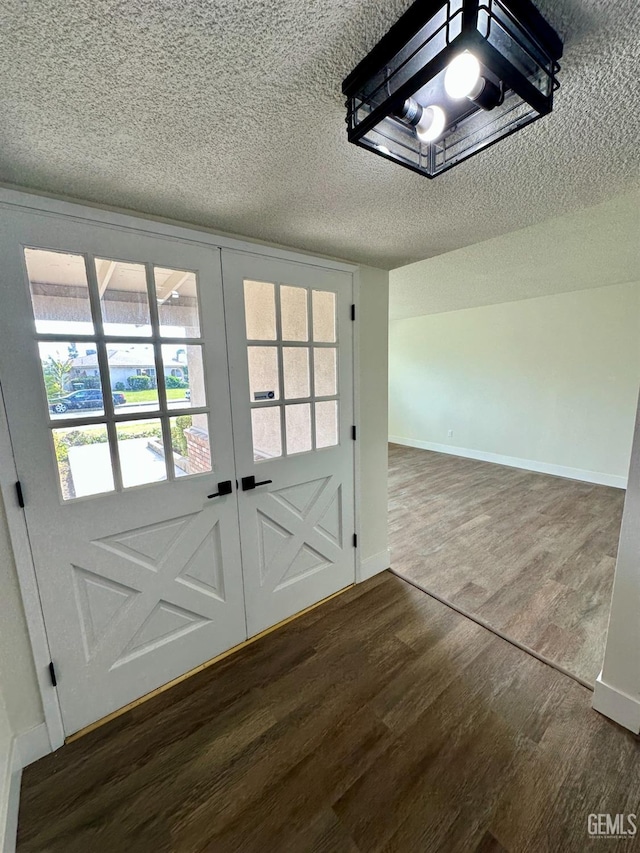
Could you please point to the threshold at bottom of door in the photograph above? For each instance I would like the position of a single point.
(103, 720)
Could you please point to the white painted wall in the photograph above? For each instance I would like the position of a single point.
(548, 383)
(17, 673)
(6, 766)
(617, 691)
(590, 247)
(372, 331)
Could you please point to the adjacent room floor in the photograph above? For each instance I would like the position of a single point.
(380, 721)
(531, 554)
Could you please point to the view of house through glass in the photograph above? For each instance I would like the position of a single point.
(123, 371)
(293, 375)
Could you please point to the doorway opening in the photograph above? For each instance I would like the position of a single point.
(511, 427)
(529, 554)
(181, 421)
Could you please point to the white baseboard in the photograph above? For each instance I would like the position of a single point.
(596, 477)
(23, 749)
(618, 706)
(11, 774)
(33, 744)
(371, 566)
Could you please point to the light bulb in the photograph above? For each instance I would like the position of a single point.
(431, 124)
(462, 78)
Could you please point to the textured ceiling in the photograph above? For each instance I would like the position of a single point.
(229, 114)
(594, 247)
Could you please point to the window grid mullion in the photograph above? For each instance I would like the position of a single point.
(112, 435)
(283, 432)
(103, 369)
(154, 316)
(55, 337)
(265, 343)
(312, 371)
(271, 404)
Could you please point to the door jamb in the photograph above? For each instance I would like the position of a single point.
(357, 462)
(25, 569)
(25, 202)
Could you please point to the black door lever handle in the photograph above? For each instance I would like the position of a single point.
(249, 483)
(224, 488)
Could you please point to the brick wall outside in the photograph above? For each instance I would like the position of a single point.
(198, 452)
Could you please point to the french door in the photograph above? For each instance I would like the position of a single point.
(290, 356)
(114, 373)
(142, 398)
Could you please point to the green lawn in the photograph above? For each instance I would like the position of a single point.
(132, 428)
(151, 395)
(129, 429)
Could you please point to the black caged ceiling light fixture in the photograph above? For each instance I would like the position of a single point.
(450, 79)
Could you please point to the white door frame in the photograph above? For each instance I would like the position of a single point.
(16, 200)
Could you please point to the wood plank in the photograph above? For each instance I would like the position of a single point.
(383, 721)
(533, 555)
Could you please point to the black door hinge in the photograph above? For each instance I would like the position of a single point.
(355, 540)
(353, 312)
(353, 432)
(19, 494)
(52, 673)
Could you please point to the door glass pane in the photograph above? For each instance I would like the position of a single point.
(183, 375)
(132, 372)
(264, 383)
(123, 297)
(293, 313)
(177, 298)
(267, 438)
(59, 292)
(71, 379)
(260, 310)
(326, 423)
(84, 461)
(141, 452)
(298, 423)
(190, 444)
(295, 362)
(74, 385)
(324, 316)
(325, 375)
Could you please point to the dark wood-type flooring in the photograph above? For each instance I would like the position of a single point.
(533, 555)
(381, 721)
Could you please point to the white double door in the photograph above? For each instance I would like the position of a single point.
(181, 426)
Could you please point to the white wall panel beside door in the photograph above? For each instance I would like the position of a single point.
(290, 344)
